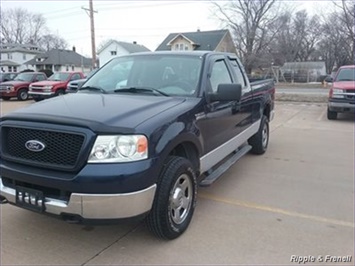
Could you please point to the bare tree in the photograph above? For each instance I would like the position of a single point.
(347, 18)
(254, 24)
(298, 38)
(336, 47)
(51, 41)
(20, 26)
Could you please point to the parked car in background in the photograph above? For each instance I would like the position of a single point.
(74, 85)
(54, 86)
(20, 85)
(342, 92)
(7, 76)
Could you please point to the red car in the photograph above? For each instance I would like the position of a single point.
(55, 85)
(342, 92)
(19, 86)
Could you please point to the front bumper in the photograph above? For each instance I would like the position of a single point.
(341, 107)
(7, 93)
(39, 93)
(94, 206)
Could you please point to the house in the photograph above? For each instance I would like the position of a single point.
(114, 48)
(12, 56)
(60, 60)
(216, 40)
(303, 71)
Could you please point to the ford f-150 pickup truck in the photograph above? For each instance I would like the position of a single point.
(54, 86)
(342, 92)
(19, 86)
(136, 140)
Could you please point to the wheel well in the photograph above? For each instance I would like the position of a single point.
(189, 151)
(267, 111)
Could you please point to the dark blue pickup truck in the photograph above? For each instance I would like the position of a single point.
(136, 140)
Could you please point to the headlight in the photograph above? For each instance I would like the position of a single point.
(120, 148)
(47, 87)
(11, 88)
(338, 93)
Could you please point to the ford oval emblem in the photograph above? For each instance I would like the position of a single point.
(35, 145)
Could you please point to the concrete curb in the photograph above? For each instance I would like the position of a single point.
(288, 97)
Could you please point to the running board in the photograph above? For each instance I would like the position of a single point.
(214, 175)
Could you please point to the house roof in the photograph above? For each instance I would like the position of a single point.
(204, 40)
(60, 57)
(130, 47)
(8, 63)
(303, 65)
(24, 48)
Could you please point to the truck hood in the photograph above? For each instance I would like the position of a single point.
(99, 112)
(15, 83)
(344, 85)
(48, 83)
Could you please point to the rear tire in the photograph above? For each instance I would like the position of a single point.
(22, 95)
(175, 199)
(5, 98)
(260, 141)
(331, 115)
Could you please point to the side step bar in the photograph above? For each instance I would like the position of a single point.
(215, 174)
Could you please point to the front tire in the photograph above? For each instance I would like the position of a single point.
(37, 99)
(175, 199)
(22, 95)
(6, 98)
(331, 115)
(60, 92)
(260, 141)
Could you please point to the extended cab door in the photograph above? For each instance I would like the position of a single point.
(247, 101)
(224, 120)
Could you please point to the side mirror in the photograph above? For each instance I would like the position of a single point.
(227, 92)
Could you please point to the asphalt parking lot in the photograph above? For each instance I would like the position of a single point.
(294, 203)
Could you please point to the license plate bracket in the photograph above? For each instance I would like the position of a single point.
(29, 198)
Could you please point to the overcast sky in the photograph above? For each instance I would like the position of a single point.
(146, 22)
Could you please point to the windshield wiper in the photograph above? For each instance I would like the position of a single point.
(92, 88)
(140, 89)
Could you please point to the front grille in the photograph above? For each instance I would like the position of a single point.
(4, 88)
(350, 97)
(61, 150)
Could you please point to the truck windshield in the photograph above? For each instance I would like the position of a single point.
(59, 77)
(346, 74)
(164, 74)
(24, 77)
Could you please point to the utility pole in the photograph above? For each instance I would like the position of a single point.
(91, 12)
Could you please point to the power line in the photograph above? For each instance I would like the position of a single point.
(61, 10)
(118, 6)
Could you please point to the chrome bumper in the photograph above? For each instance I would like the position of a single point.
(341, 105)
(272, 115)
(95, 206)
(40, 93)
